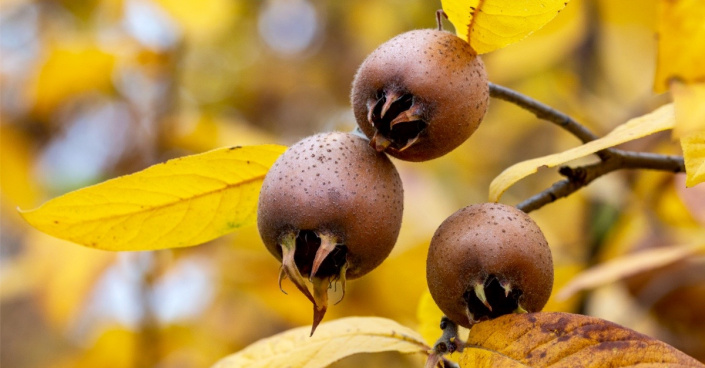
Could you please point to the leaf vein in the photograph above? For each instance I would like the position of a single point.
(170, 203)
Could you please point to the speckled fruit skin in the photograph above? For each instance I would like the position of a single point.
(334, 182)
(445, 76)
(488, 239)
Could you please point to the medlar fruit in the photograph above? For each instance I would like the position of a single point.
(420, 95)
(487, 260)
(330, 209)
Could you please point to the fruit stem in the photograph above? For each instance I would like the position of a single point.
(449, 342)
(440, 14)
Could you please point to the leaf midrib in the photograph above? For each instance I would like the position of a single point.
(163, 205)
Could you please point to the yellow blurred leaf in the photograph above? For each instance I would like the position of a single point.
(332, 341)
(624, 50)
(681, 50)
(202, 132)
(429, 316)
(625, 266)
(544, 49)
(369, 32)
(64, 276)
(661, 119)
(115, 348)
(204, 18)
(565, 340)
(183, 202)
(404, 272)
(563, 273)
(489, 25)
(69, 70)
(17, 184)
(429, 323)
(693, 199)
(690, 109)
(694, 154)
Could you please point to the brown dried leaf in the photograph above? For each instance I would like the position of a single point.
(626, 266)
(565, 340)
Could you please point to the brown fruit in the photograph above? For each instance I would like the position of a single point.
(487, 260)
(420, 95)
(330, 209)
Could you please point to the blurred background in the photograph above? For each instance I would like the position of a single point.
(94, 89)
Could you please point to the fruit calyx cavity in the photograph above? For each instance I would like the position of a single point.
(396, 119)
(491, 298)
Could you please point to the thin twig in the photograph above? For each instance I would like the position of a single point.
(611, 159)
(545, 112)
(448, 343)
(580, 177)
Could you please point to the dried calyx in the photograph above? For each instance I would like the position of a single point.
(491, 298)
(318, 257)
(396, 118)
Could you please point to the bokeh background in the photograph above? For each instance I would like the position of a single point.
(94, 89)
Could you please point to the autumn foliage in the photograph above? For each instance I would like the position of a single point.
(136, 135)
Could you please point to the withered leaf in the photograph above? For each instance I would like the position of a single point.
(565, 340)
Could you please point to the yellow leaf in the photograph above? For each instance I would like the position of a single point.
(17, 185)
(429, 316)
(681, 50)
(624, 50)
(543, 50)
(661, 119)
(629, 265)
(71, 69)
(180, 203)
(690, 109)
(489, 25)
(694, 154)
(198, 132)
(63, 276)
(205, 18)
(115, 348)
(429, 323)
(332, 341)
(565, 340)
(563, 273)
